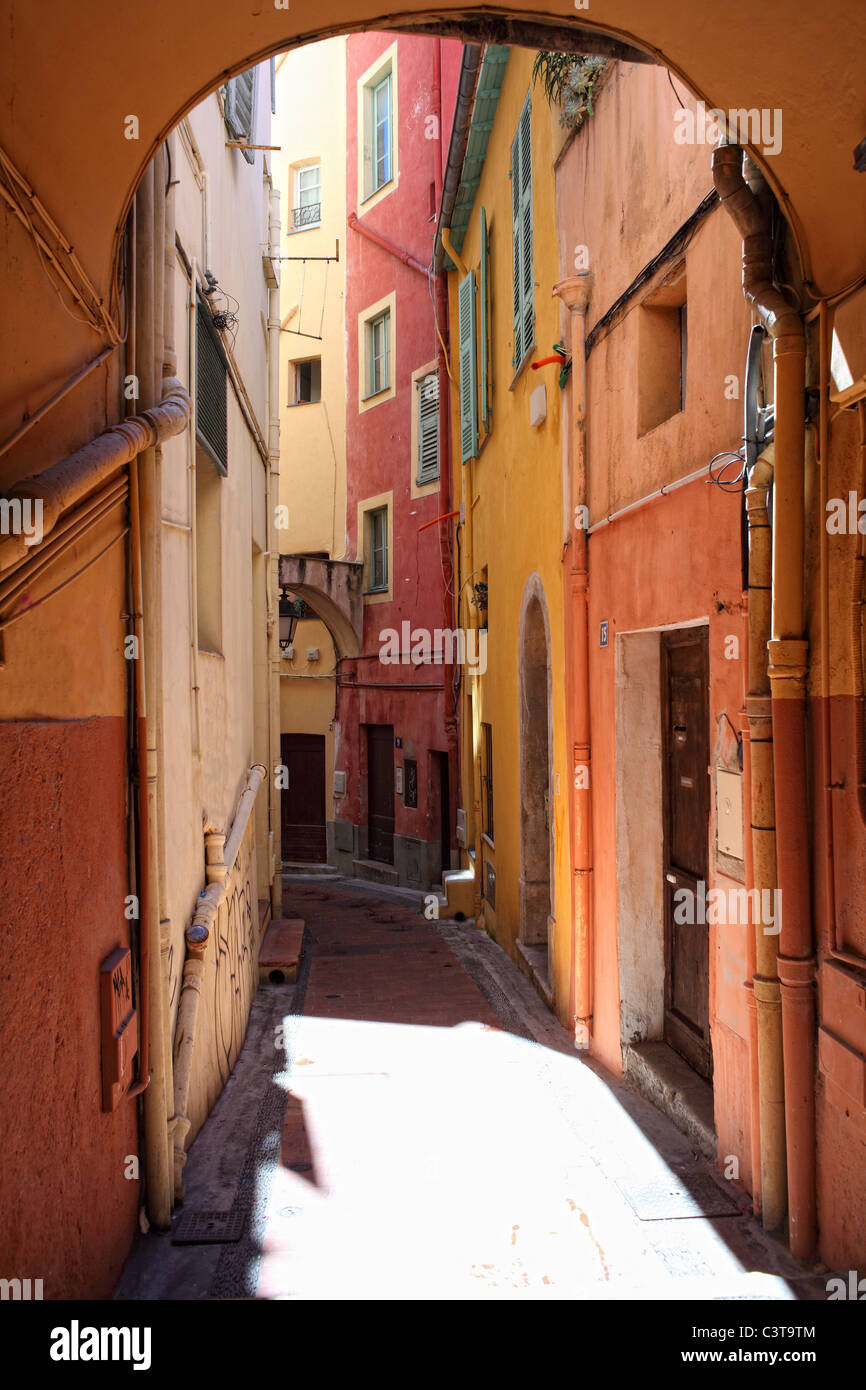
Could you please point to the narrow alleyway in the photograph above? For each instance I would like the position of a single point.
(408, 1121)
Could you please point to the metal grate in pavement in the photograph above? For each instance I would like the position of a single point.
(675, 1198)
(209, 1227)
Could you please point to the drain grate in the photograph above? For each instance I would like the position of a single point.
(209, 1228)
(672, 1198)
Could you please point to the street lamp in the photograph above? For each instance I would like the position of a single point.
(291, 609)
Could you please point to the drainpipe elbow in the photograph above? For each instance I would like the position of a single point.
(779, 317)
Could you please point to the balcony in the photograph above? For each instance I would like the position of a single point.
(308, 216)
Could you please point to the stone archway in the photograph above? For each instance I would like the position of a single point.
(113, 105)
(535, 754)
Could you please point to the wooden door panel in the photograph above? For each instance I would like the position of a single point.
(685, 705)
(303, 802)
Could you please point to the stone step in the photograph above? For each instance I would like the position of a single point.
(281, 951)
(375, 872)
(458, 886)
(671, 1085)
(304, 866)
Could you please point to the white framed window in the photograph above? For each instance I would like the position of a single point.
(377, 128)
(377, 550)
(381, 131)
(378, 333)
(307, 210)
(307, 382)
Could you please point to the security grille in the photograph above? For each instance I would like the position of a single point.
(211, 391)
(410, 793)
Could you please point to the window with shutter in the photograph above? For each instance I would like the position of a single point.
(307, 211)
(521, 209)
(377, 540)
(428, 428)
(379, 354)
(485, 325)
(377, 119)
(381, 133)
(468, 370)
(238, 106)
(210, 390)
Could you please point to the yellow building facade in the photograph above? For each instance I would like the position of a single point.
(507, 418)
(310, 167)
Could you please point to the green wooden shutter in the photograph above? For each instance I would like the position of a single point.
(428, 428)
(521, 210)
(468, 379)
(482, 295)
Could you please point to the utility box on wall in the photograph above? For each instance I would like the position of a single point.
(119, 1026)
(729, 814)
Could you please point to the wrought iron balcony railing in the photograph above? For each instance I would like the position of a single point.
(308, 216)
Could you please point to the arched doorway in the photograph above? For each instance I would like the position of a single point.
(536, 765)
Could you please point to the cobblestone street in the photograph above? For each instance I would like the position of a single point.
(409, 1121)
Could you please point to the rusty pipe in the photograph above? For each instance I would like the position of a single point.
(788, 653)
(390, 246)
(575, 294)
(766, 988)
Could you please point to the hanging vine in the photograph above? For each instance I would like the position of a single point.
(571, 80)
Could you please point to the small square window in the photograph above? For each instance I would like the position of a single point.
(308, 381)
(662, 356)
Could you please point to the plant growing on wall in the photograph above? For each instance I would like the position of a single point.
(571, 80)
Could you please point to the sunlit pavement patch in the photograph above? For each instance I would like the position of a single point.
(428, 1148)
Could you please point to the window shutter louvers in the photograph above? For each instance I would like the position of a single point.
(468, 381)
(521, 205)
(238, 107)
(517, 354)
(428, 428)
(482, 295)
(211, 387)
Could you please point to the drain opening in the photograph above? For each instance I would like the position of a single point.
(209, 1228)
(277, 977)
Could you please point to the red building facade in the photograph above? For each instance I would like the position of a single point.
(396, 743)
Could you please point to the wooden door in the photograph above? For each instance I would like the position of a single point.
(380, 792)
(685, 707)
(303, 803)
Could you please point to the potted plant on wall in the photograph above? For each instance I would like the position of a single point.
(479, 599)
